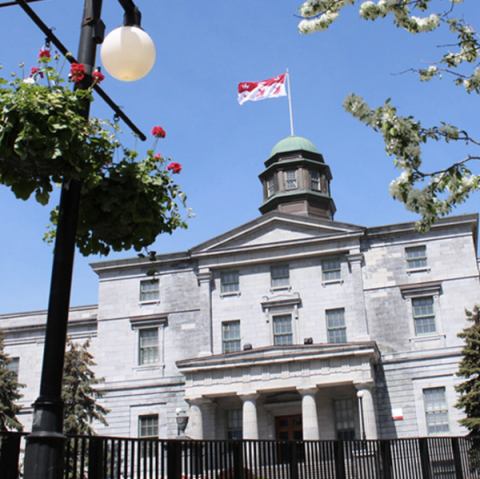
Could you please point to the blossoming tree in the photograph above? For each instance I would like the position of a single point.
(434, 193)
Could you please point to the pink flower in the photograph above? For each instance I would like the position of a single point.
(98, 77)
(158, 132)
(77, 71)
(174, 167)
(158, 156)
(44, 54)
(36, 71)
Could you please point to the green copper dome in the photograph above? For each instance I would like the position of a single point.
(292, 143)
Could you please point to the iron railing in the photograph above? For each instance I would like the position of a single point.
(121, 458)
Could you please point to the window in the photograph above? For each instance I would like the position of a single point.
(270, 187)
(14, 365)
(331, 270)
(148, 426)
(149, 290)
(148, 346)
(282, 330)
(315, 180)
(416, 257)
(147, 429)
(234, 428)
(436, 410)
(344, 419)
(230, 283)
(231, 336)
(280, 276)
(423, 315)
(290, 179)
(336, 328)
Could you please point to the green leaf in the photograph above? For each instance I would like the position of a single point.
(42, 197)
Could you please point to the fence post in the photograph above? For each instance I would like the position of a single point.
(9, 455)
(293, 460)
(457, 458)
(237, 449)
(95, 458)
(424, 458)
(339, 460)
(196, 457)
(386, 459)
(174, 459)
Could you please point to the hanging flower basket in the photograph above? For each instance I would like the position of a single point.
(129, 206)
(44, 140)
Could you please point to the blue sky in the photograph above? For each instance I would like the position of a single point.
(204, 49)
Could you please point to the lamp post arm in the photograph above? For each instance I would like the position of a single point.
(61, 47)
(11, 4)
(132, 16)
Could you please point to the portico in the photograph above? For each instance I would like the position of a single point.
(311, 390)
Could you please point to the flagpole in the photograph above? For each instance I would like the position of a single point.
(290, 102)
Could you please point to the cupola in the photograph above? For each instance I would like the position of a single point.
(297, 180)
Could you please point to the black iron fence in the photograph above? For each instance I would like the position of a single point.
(120, 458)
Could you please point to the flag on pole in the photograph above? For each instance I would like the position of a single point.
(262, 89)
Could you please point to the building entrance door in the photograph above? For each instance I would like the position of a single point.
(289, 428)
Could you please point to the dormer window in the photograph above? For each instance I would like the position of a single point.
(270, 187)
(291, 179)
(315, 180)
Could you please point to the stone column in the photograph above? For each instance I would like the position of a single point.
(366, 409)
(250, 422)
(309, 414)
(195, 420)
(355, 261)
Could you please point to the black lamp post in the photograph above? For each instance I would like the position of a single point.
(45, 445)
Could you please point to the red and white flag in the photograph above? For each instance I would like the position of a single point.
(262, 89)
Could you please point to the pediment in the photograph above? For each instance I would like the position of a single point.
(277, 228)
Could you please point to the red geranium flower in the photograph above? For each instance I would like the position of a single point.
(98, 77)
(158, 156)
(174, 167)
(158, 132)
(77, 71)
(35, 71)
(44, 54)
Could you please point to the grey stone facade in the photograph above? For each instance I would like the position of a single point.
(292, 324)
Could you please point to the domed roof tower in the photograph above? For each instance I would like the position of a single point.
(297, 180)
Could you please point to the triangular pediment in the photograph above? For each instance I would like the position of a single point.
(277, 228)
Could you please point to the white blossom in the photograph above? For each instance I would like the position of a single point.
(369, 10)
(469, 181)
(412, 150)
(394, 190)
(473, 83)
(311, 8)
(317, 24)
(355, 105)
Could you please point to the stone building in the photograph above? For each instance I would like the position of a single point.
(292, 325)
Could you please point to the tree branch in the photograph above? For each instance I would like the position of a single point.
(445, 170)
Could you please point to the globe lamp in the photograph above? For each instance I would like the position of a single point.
(128, 53)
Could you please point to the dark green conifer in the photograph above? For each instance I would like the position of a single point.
(79, 393)
(9, 393)
(469, 368)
